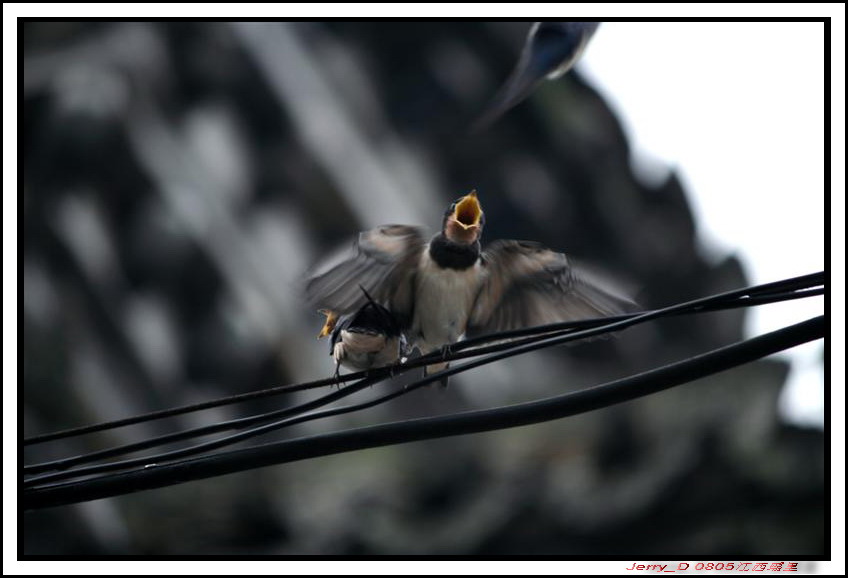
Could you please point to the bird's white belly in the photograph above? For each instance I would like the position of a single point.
(443, 301)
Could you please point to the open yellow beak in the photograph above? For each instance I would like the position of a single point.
(468, 211)
(329, 324)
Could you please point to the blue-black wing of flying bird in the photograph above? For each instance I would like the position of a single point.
(551, 49)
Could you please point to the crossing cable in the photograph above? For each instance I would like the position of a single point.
(290, 417)
(793, 288)
(156, 475)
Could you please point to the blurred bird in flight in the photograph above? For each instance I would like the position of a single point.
(440, 288)
(551, 50)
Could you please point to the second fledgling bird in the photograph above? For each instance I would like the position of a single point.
(443, 288)
(370, 337)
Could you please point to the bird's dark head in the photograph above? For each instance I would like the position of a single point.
(464, 220)
(374, 318)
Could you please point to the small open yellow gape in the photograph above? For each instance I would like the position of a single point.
(329, 324)
(468, 211)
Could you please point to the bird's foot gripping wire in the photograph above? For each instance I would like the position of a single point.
(446, 351)
(336, 375)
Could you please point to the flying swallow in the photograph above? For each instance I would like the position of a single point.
(443, 288)
(370, 337)
(551, 49)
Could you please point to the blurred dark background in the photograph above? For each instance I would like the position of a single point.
(179, 178)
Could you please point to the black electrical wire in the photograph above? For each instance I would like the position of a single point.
(514, 347)
(279, 415)
(785, 287)
(63, 464)
(556, 407)
(67, 463)
(171, 412)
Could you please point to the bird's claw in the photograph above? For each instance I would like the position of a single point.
(446, 351)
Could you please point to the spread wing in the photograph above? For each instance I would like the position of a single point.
(382, 260)
(527, 284)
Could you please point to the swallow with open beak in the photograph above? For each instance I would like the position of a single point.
(370, 337)
(551, 50)
(444, 287)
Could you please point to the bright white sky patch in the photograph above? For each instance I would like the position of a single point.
(738, 110)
